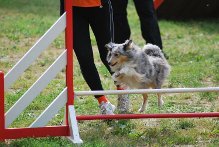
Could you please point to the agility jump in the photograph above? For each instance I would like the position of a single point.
(66, 98)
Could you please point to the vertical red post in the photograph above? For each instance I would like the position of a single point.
(69, 47)
(2, 107)
(157, 3)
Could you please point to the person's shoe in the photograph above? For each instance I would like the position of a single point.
(107, 108)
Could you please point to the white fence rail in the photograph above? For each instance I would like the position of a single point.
(35, 89)
(141, 91)
(35, 51)
(51, 110)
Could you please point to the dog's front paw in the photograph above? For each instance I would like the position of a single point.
(114, 76)
(117, 83)
(117, 74)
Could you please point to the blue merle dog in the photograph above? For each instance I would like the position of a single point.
(138, 68)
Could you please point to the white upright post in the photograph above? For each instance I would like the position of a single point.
(74, 131)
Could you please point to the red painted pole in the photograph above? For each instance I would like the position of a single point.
(69, 47)
(2, 107)
(143, 116)
(157, 3)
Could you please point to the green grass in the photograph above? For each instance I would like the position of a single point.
(193, 50)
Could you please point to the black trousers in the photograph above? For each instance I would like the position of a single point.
(148, 21)
(97, 19)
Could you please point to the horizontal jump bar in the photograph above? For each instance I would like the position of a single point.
(141, 116)
(140, 91)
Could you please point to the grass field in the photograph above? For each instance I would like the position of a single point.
(193, 50)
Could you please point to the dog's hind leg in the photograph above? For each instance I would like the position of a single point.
(159, 97)
(160, 100)
(144, 104)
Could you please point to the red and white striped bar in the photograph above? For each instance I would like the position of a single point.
(149, 91)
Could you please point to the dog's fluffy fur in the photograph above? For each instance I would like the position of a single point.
(138, 68)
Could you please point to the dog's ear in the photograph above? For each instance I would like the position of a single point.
(128, 44)
(109, 46)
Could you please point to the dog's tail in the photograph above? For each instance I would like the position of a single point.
(153, 50)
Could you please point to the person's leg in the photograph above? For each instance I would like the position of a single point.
(100, 24)
(121, 26)
(84, 54)
(148, 20)
(62, 7)
(83, 49)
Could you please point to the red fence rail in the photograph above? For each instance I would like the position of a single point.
(142, 116)
(52, 131)
(2, 112)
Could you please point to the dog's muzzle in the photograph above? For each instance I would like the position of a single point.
(112, 64)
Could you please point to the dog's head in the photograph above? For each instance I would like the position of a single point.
(118, 54)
